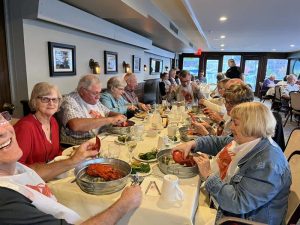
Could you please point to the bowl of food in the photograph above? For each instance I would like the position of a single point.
(122, 128)
(187, 134)
(102, 175)
(183, 168)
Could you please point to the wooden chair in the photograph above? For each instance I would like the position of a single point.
(293, 212)
(293, 142)
(262, 93)
(294, 106)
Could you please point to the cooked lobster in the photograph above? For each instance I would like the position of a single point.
(179, 158)
(105, 171)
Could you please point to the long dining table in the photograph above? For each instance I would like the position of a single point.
(153, 210)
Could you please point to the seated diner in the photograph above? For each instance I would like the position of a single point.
(248, 176)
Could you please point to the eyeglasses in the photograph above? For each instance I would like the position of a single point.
(47, 100)
(94, 93)
(5, 117)
(229, 103)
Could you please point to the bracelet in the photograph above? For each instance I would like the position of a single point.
(222, 123)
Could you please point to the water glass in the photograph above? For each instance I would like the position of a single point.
(138, 131)
(131, 145)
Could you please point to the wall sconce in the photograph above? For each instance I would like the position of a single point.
(95, 67)
(145, 67)
(126, 67)
(166, 67)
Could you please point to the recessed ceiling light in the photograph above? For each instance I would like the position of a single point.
(223, 18)
(292, 45)
(274, 49)
(222, 36)
(222, 45)
(222, 49)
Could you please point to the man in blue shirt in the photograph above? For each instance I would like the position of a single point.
(268, 83)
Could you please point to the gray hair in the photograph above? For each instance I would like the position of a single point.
(291, 77)
(87, 81)
(42, 89)
(114, 82)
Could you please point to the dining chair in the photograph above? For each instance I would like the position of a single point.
(293, 142)
(293, 212)
(294, 106)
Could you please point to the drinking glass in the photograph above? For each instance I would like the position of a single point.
(131, 145)
(113, 149)
(138, 131)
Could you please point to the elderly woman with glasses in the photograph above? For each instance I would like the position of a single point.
(38, 135)
(248, 175)
(38, 132)
(113, 99)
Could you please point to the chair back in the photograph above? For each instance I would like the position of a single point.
(279, 134)
(278, 93)
(293, 142)
(295, 100)
(292, 215)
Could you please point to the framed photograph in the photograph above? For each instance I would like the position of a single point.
(62, 59)
(136, 64)
(110, 62)
(156, 66)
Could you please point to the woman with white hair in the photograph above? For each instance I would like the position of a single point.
(113, 99)
(248, 176)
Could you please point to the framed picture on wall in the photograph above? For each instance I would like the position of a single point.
(136, 64)
(110, 62)
(156, 66)
(62, 59)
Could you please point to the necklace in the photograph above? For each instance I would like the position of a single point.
(45, 127)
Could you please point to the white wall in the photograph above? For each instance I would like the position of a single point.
(38, 33)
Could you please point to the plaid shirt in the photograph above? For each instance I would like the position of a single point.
(73, 106)
(130, 96)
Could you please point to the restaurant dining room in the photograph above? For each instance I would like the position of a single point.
(173, 112)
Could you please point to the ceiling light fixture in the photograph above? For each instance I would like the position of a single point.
(222, 49)
(274, 49)
(222, 45)
(222, 36)
(223, 18)
(292, 45)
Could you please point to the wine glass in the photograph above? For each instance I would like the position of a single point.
(131, 144)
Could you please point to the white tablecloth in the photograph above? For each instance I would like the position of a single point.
(152, 210)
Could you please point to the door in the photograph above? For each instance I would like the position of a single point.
(4, 79)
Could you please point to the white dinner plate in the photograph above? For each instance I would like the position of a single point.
(136, 156)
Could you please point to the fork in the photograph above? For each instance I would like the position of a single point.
(136, 179)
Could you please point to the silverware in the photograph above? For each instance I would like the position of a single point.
(155, 185)
(136, 179)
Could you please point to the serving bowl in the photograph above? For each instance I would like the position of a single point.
(97, 186)
(121, 129)
(167, 165)
(184, 136)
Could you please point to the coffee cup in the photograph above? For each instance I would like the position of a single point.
(170, 189)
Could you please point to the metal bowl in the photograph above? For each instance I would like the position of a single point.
(121, 130)
(184, 136)
(96, 186)
(167, 165)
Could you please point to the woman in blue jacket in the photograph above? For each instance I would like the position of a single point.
(249, 176)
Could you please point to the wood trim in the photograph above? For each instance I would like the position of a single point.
(4, 77)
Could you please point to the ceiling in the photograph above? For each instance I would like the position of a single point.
(251, 25)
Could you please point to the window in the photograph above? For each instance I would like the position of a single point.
(250, 72)
(211, 70)
(277, 67)
(237, 59)
(192, 65)
(295, 66)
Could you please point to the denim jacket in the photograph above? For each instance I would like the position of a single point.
(259, 190)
